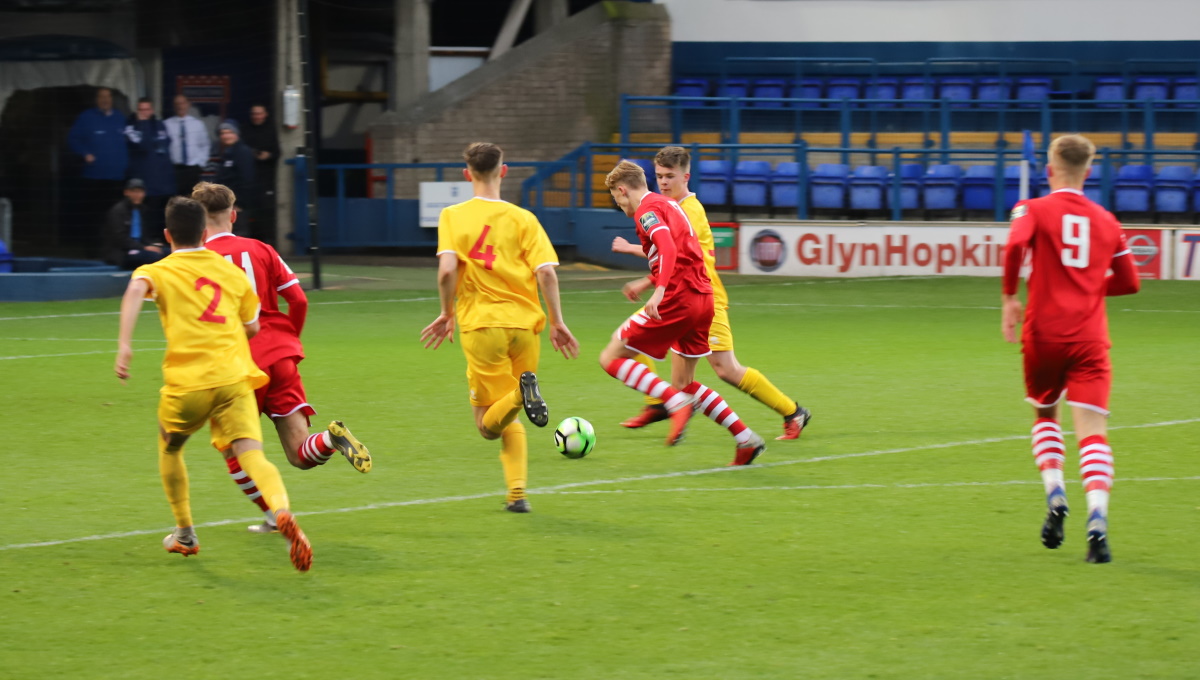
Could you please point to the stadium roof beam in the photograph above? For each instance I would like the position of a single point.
(509, 29)
(410, 76)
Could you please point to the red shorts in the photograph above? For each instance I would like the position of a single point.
(1080, 370)
(684, 327)
(284, 395)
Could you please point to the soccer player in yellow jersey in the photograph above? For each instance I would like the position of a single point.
(208, 310)
(492, 258)
(672, 165)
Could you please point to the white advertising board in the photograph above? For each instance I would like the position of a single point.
(1187, 255)
(437, 195)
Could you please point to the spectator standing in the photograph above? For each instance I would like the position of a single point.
(97, 137)
(236, 168)
(191, 146)
(128, 241)
(150, 161)
(262, 137)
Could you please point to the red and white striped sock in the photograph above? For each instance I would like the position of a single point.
(317, 449)
(642, 379)
(1049, 452)
(712, 405)
(248, 487)
(1096, 466)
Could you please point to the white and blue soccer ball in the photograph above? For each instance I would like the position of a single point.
(574, 437)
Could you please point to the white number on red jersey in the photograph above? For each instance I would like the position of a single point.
(248, 267)
(1077, 239)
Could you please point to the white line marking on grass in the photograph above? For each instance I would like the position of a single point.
(835, 487)
(78, 354)
(158, 340)
(575, 485)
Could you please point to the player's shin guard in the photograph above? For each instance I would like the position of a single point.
(1048, 453)
(642, 379)
(650, 366)
(175, 482)
(514, 459)
(500, 414)
(266, 475)
(1096, 467)
(248, 486)
(756, 385)
(712, 405)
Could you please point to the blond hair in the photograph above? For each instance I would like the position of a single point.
(628, 174)
(674, 157)
(216, 198)
(483, 158)
(1072, 154)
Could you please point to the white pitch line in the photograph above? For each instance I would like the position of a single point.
(78, 354)
(836, 487)
(558, 488)
(158, 340)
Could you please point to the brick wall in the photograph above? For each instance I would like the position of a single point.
(539, 100)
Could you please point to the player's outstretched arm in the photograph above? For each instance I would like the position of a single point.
(620, 245)
(131, 306)
(442, 327)
(560, 336)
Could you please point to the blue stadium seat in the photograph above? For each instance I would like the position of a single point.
(1108, 88)
(867, 187)
(1012, 185)
(1093, 186)
(1185, 90)
(940, 187)
(1196, 193)
(843, 88)
(1032, 91)
(915, 88)
(1151, 88)
(1173, 188)
(734, 87)
(805, 88)
(774, 88)
(714, 182)
(750, 183)
(978, 184)
(883, 88)
(910, 186)
(828, 184)
(691, 87)
(784, 185)
(1131, 191)
(996, 90)
(957, 90)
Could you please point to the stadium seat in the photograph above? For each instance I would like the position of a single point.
(1151, 88)
(940, 187)
(733, 87)
(774, 88)
(1032, 91)
(1173, 189)
(883, 88)
(714, 182)
(1185, 90)
(828, 184)
(867, 186)
(910, 186)
(915, 88)
(1131, 190)
(843, 88)
(978, 185)
(805, 88)
(995, 90)
(1093, 186)
(1012, 185)
(957, 90)
(784, 185)
(1109, 88)
(1196, 192)
(691, 87)
(750, 183)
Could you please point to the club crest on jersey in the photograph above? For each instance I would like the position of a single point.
(648, 220)
(1019, 211)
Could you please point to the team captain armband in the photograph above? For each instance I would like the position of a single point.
(648, 221)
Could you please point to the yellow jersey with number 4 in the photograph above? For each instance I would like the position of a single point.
(203, 302)
(499, 247)
(699, 219)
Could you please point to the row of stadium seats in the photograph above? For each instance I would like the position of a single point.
(964, 91)
(1136, 188)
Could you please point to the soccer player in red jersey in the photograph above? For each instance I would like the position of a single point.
(1072, 243)
(677, 317)
(276, 350)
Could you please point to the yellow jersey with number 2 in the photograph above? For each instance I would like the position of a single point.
(699, 219)
(499, 247)
(203, 302)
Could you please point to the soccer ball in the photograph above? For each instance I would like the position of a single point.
(574, 438)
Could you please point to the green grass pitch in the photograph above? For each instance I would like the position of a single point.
(898, 538)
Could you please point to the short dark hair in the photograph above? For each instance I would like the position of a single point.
(483, 158)
(146, 100)
(185, 221)
(260, 104)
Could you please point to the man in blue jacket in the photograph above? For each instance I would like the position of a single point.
(98, 138)
(150, 160)
(236, 171)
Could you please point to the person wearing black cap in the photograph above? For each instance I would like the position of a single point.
(129, 242)
(236, 168)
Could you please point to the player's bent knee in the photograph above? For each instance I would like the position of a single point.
(488, 434)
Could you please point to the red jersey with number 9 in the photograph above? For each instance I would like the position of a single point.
(499, 246)
(1072, 243)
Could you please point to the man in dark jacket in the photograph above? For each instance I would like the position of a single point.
(128, 243)
(236, 170)
(263, 139)
(97, 138)
(150, 160)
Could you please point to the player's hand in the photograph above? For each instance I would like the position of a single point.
(124, 358)
(653, 303)
(562, 341)
(634, 289)
(1011, 313)
(620, 245)
(441, 329)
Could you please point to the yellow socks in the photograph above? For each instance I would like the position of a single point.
(500, 414)
(650, 364)
(175, 482)
(514, 459)
(756, 385)
(266, 476)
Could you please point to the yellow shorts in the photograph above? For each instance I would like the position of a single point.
(496, 358)
(720, 336)
(231, 412)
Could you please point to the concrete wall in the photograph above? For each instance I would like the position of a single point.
(541, 99)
